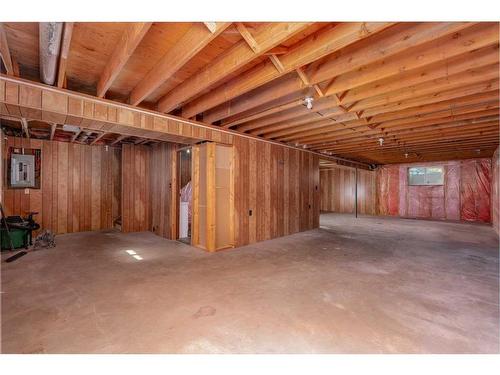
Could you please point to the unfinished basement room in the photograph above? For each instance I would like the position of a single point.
(249, 187)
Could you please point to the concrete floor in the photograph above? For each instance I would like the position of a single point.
(367, 285)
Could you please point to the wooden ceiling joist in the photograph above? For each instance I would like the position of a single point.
(390, 42)
(316, 46)
(26, 130)
(442, 69)
(267, 37)
(423, 86)
(473, 67)
(247, 36)
(63, 58)
(444, 84)
(472, 89)
(211, 26)
(280, 108)
(442, 136)
(76, 135)
(5, 51)
(468, 40)
(53, 128)
(129, 41)
(194, 40)
(458, 113)
(98, 138)
(459, 121)
(412, 116)
(448, 145)
(118, 139)
(275, 60)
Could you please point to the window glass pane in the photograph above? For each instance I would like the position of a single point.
(417, 176)
(425, 176)
(434, 176)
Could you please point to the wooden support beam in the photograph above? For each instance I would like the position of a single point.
(312, 48)
(476, 37)
(413, 118)
(141, 141)
(302, 75)
(429, 88)
(98, 138)
(319, 91)
(15, 66)
(193, 41)
(119, 139)
(129, 41)
(53, 128)
(267, 36)
(277, 63)
(279, 50)
(247, 36)
(211, 26)
(5, 51)
(382, 45)
(280, 108)
(24, 124)
(413, 128)
(63, 58)
(75, 136)
(477, 88)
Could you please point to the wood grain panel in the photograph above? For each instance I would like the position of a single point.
(136, 194)
(77, 191)
(276, 191)
(338, 190)
(162, 175)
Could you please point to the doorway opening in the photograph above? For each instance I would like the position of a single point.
(185, 194)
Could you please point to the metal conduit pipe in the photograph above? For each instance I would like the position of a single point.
(50, 36)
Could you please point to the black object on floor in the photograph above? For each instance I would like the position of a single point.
(16, 256)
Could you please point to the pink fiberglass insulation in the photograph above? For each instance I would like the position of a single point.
(475, 191)
(464, 194)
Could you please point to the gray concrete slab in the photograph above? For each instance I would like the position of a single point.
(366, 285)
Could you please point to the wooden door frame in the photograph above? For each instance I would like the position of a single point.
(176, 191)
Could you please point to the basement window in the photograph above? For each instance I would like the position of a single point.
(427, 176)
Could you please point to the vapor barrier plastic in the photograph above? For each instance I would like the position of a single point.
(464, 195)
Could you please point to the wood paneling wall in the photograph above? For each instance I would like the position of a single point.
(79, 187)
(162, 184)
(149, 180)
(136, 192)
(279, 185)
(337, 190)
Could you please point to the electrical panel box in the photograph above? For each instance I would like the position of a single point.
(22, 171)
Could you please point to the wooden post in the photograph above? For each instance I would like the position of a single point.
(211, 196)
(356, 192)
(195, 163)
(174, 196)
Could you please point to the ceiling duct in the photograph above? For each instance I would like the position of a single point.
(50, 35)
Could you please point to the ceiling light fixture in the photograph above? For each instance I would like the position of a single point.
(308, 101)
(381, 141)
